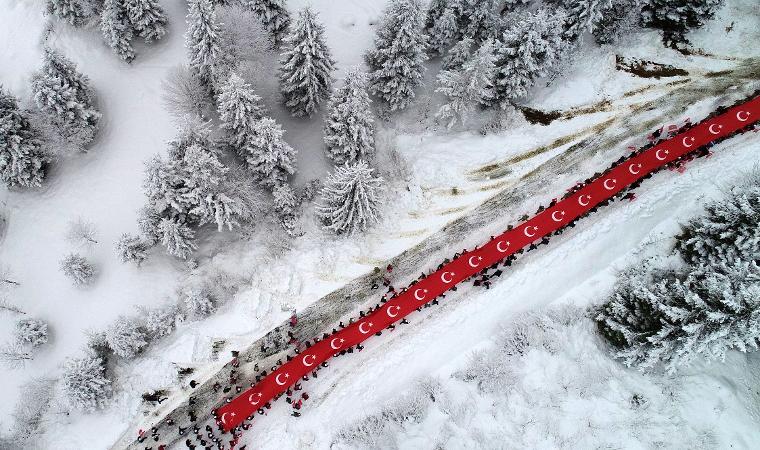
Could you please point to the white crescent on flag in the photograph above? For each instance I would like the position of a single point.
(390, 313)
(258, 398)
(657, 154)
(277, 378)
(558, 218)
(361, 327)
(417, 294)
(690, 139)
(444, 279)
(584, 202)
(608, 187)
(332, 343)
(742, 118)
(636, 170)
(308, 364)
(715, 125)
(476, 258)
(500, 248)
(529, 233)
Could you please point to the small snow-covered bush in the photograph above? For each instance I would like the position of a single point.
(15, 355)
(199, 302)
(185, 94)
(28, 415)
(161, 321)
(33, 332)
(81, 232)
(131, 248)
(126, 337)
(85, 384)
(76, 267)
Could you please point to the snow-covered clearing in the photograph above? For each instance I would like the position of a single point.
(104, 186)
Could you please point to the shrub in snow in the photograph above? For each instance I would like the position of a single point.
(396, 61)
(85, 384)
(35, 398)
(64, 96)
(284, 200)
(529, 47)
(22, 161)
(131, 248)
(199, 303)
(274, 15)
(147, 18)
(239, 108)
(468, 87)
(117, 30)
(126, 337)
(76, 267)
(75, 12)
(268, 156)
(306, 66)
(160, 321)
(349, 126)
(729, 228)
(81, 232)
(676, 18)
(32, 332)
(97, 344)
(350, 199)
(206, 54)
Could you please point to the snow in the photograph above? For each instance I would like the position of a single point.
(446, 182)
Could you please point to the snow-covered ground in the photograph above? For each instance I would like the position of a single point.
(104, 186)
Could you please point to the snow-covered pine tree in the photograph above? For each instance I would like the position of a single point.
(349, 126)
(148, 220)
(204, 44)
(675, 18)
(239, 107)
(396, 61)
(267, 154)
(350, 199)
(584, 15)
(458, 54)
(468, 87)
(480, 19)
(76, 267)
(63, 94)
(177, 237)
(126, 337)
(442, 25)
(75, 12)
(275, 17)
(131, 248)
(512, 5)
(729, 228)
(85, 384)
(117, 30)
(528, 49)
(160, 321)
(306, 66)
(617, 20)
(147, 18)
(32, 332)
(22, 161)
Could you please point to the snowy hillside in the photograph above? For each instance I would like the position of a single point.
(580, 111)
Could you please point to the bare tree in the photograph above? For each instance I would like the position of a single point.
(82, 232)
(15, 356)
(5, 305)
(6, 276)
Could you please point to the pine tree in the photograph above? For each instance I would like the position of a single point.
(442, 25)
(284, 201)
(468, 87)
(350, 199)
(85, 383)
(160, 321)
(147, 18)
(275, 17)
(177, 237)
(267, 154)
(349, 126)
(584, 15)
(64, 95)
(728, 230)
(131, 248)
(199, 303)
(22, 161)
(459, 54)
(32, 332)
(76, 267)
(117, 31)
(204, 43)
(480, 19)
(75, 12)
(396, 62)
(675, 18)
(239, 108)
(528, 48)
(616, 21)
(126, 337)
(306, 66)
